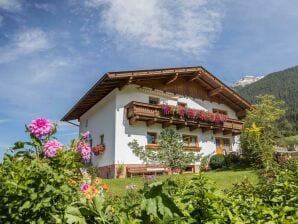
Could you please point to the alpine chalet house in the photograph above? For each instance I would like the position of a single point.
(128, 105)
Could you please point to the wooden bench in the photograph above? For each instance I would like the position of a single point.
(146, 170)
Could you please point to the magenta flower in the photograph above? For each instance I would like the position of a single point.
(40, 127)
(84, 149)
(85, 135)
(84, 187)
(50, 148)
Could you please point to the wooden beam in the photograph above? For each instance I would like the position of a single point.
(226, 132)
(133, 120)
(205, 129)
(180, 126)
(217, 131)
(197, 76)
(194, 127)
(167, 123)
(241, 113)
(129, 81)
(151, 122)
(215, 91)
(235, 133)
(172, 79)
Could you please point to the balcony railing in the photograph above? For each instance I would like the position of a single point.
(151, 114)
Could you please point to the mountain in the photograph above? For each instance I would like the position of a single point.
(246, 80)
(283, 85)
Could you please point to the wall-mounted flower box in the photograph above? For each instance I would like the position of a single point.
(98, 149)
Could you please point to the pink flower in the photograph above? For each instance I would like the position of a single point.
(84, 149)
(40, 127)
(50, 148)
(84, 187)
(85, 135)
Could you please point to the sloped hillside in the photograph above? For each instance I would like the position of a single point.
(283, 85)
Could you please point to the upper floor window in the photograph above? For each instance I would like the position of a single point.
(153, 100)
(190, 140)
(181, 104)
(102, 137)
(151, 138)
(215, 110)
(86, 123)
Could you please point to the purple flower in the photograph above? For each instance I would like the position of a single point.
(50, 148)
(40, 127)
(85, 135)
(84, 149)
(84, 187)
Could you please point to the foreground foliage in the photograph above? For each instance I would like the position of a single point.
(40, 183)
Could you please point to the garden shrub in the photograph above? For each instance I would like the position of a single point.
(217, 161)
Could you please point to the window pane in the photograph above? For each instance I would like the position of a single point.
(185, 140)
(193, 140)
(151, 138)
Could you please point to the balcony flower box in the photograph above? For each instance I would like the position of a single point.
(98, 149)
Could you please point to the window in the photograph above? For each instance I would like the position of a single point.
(181, 104)
(90, 141)
(153, 100)
(151, 138)
(190, 140)
(219, 111)
(223, 145)
(102, 137)
(86, 123)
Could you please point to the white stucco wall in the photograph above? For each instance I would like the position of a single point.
(108, 117)
(126, 133)
(101, 121)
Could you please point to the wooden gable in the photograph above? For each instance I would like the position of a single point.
(194, 82)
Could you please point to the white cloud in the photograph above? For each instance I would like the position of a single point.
(45, 6)
(10, 5)
(189, 26)
(24, 43)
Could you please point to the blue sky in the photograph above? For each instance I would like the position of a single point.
(51, 52)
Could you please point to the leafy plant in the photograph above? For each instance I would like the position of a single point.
(217, 161)
(171, 153)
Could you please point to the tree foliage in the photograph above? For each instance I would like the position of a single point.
(171, 152)
(261, 131)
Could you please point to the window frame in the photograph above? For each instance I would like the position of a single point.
(155, 100)
(101, 139)
(181, 104)
(190, 140)
(220, 111)
(155, 142)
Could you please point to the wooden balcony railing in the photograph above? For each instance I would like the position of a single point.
(151, 114)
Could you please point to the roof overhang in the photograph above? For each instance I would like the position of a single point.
(112, 80)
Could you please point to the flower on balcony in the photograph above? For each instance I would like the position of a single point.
(98, 149)
(181, 111)
(167, 109)
(191, 113)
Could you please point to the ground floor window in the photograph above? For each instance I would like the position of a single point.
(190, 140)
(223, 145)
(151, 138)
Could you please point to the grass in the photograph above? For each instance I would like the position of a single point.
(221, 179)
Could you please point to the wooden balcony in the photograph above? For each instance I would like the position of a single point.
(151, 114)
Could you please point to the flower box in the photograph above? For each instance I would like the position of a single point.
(98, 149)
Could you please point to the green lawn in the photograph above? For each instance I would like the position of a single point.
(221, 179)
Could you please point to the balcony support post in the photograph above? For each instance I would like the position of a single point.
(167, 123)
(151, 122)
(180, 126)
